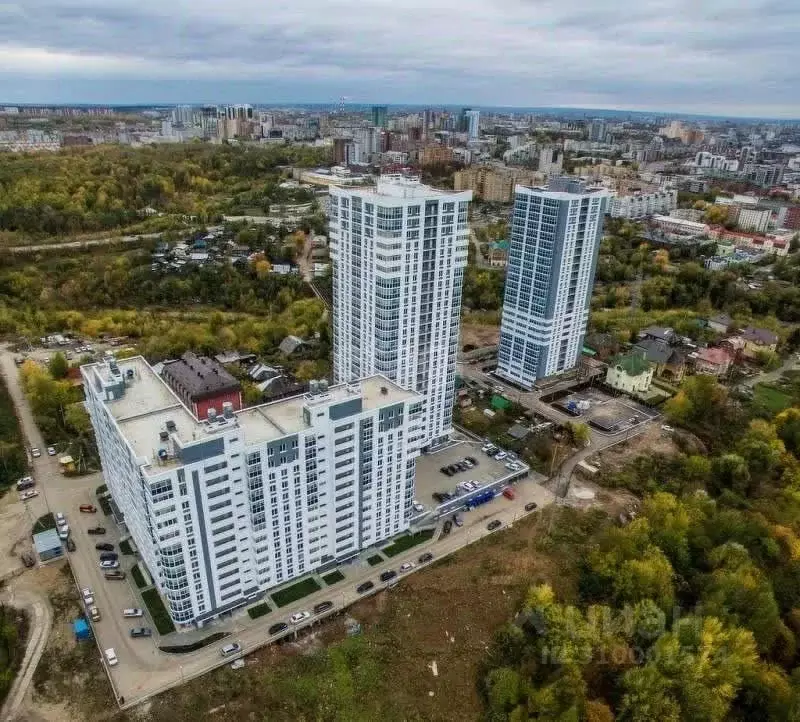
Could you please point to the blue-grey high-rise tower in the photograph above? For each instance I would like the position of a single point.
(555, 237)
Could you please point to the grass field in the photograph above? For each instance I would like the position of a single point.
(125, 547)
(333, 577)
(296, 591)
(772, 399)
(138, 577)
(374, 560)
(259, 610)
(404, 543)
(158, 611)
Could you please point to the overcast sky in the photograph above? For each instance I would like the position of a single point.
(737, 57)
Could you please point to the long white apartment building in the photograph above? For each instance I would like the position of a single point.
(552, 256)
(399, 251)
(224, 509)
(641, 205)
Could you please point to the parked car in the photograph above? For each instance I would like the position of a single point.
(104, 547)
(425, 558)
(299, 617)
(387, 575)
(35, 453)
(26, 482)
(141, 632)
(88, 597)
(530, 506)
(365, 587)
(60, 519)
(28, 560)
(508, 493)
(229, 649)
(97, 530)
(447, 528)
(468, 463)
(500, 455)
(446, 470)
(105, 556)
(25, 495)
(111, 657)
(407, 567)
(442, 496)
(109, 564)
(94, 613)
(472, 460)
(51, 450)
(114, 575)
(496, 524)
(279, 627)
(323, 607)
(132, 612)
(417, 507)
(458, 520)
(63, 532)
(88, 508)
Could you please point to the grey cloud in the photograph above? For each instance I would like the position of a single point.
(659, 54)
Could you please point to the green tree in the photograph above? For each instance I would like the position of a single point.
(58, 366)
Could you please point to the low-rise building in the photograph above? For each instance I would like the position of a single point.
(202, 384)
(631, 373)
(498, 254)
(715, 361)
(681, 227)
(757, 340)
(720, 323)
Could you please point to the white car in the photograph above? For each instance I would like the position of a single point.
(407, 567)
(35, 453)
(418, 507)
(60, 518)
(88, 597)
(666, 427)
(500, 455)
(63, 532)
(51, 450)
(299, 617)
(109, 564)
(132, 612)
(25, 495)
(111, 657)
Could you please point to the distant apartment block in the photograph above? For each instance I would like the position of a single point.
(555, 237)
(202, 384)
(223, 509)
(642, 205)
(399, 251)
(491, 184)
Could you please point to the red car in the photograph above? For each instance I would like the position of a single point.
(508, 493)
(88, 508)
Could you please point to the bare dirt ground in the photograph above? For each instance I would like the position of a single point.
(446, 614)
(479, 336)
(651, 441)
(15, 531)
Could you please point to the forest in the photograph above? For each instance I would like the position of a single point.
(112, 187)
(692, 610)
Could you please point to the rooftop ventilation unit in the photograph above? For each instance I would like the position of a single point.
(323, 386)
(212, 414)
(163, 435)
(384, 391)
(313, 387)
(227, 409)
(170, 424)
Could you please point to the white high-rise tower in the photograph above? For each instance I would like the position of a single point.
(555, 238)
(399, 251)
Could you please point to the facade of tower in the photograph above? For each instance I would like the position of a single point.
(399, 251)
(555, 238)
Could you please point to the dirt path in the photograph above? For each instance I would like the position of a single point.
(40, 616)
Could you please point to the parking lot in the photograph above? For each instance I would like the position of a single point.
(488, 472)
(605, 413)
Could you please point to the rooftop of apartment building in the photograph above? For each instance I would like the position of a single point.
(404, 187)
(149, 407)
(565, 188)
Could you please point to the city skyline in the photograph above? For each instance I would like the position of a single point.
(673, 58)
